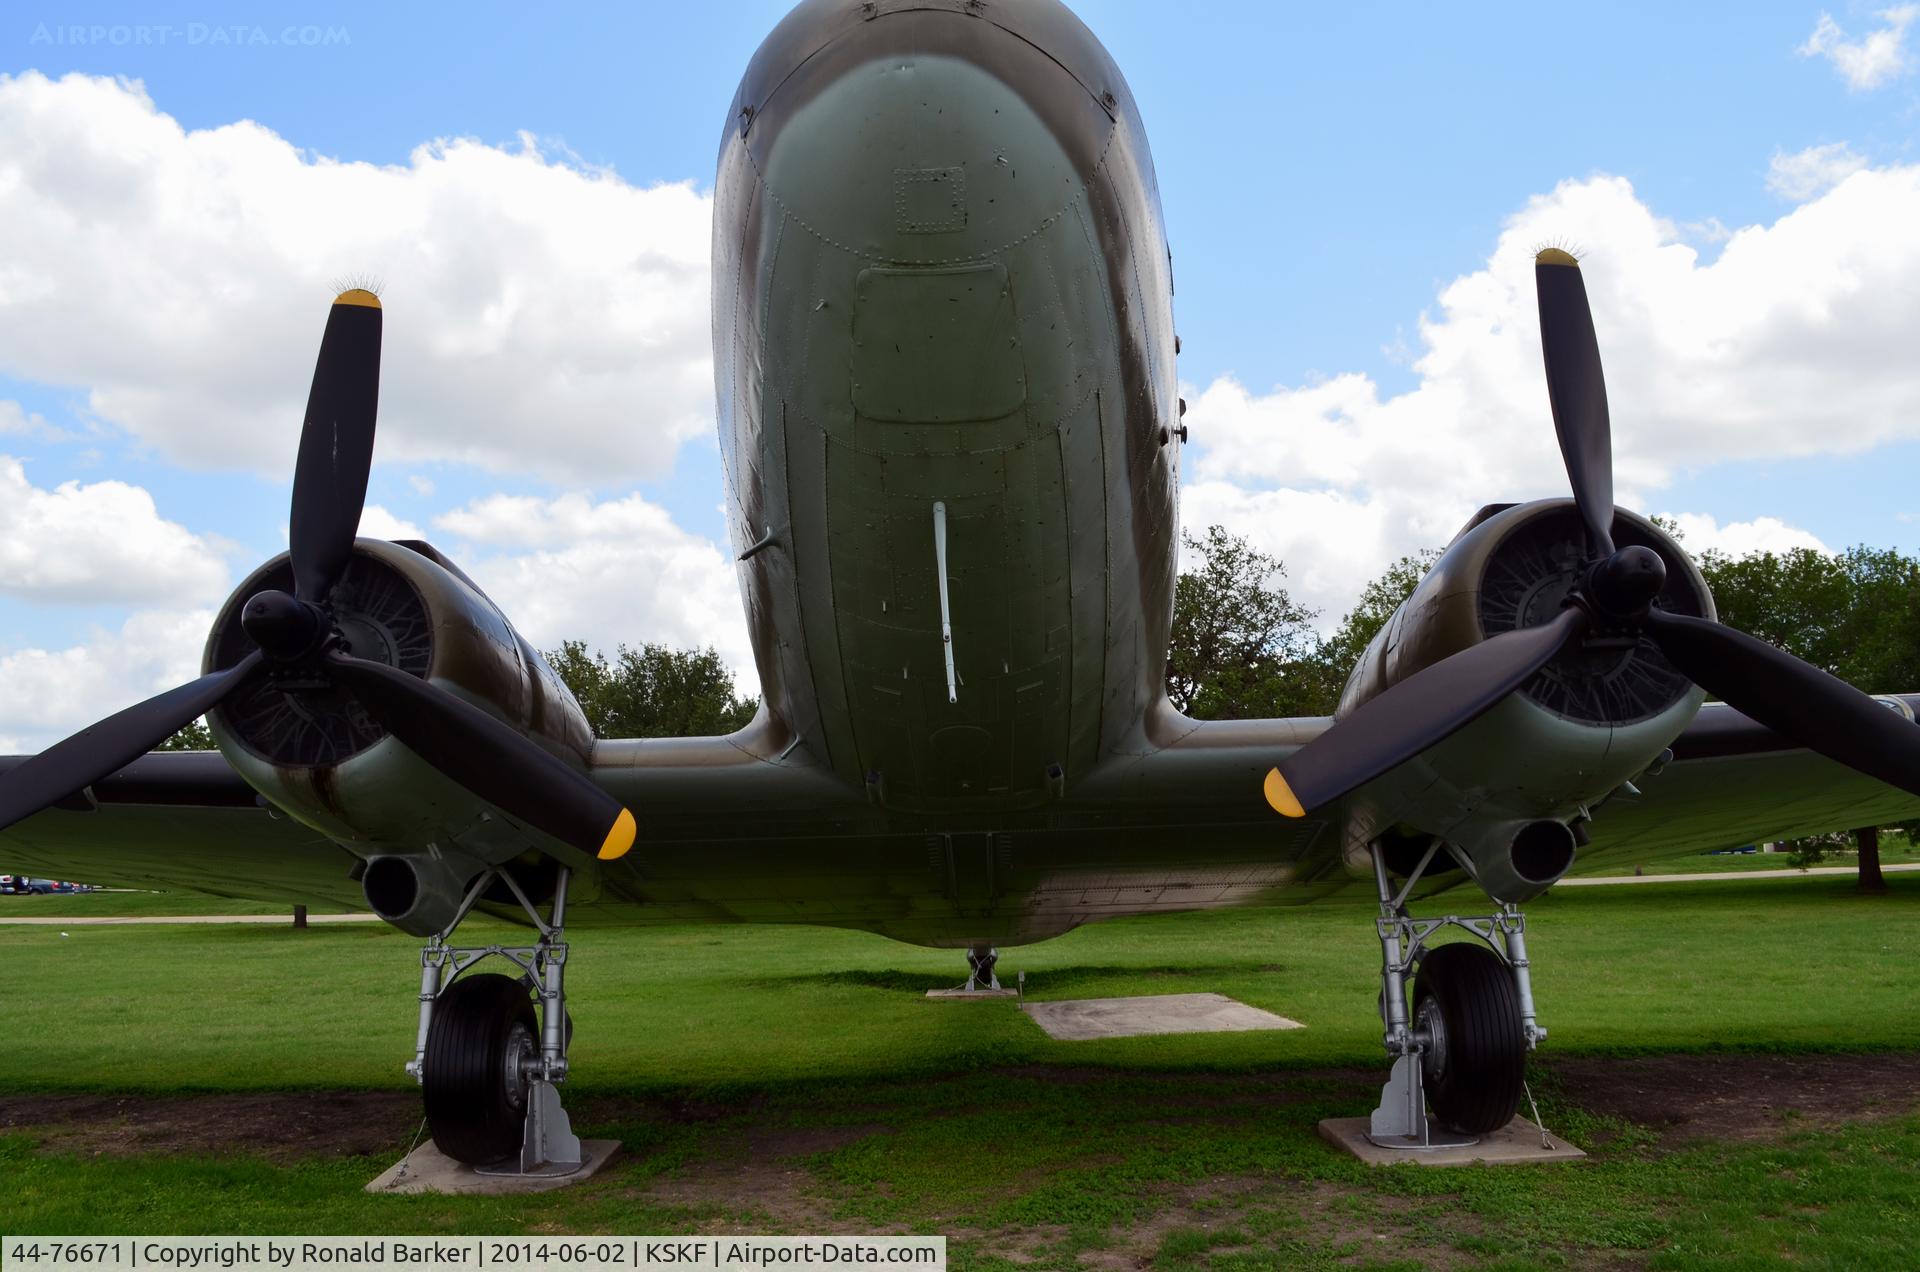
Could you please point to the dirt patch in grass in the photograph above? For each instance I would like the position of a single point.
(759, 1180)
(279, 1126)
(1233, 1213)
(1686, 1097)
(749, 1162)
(1741, 1097)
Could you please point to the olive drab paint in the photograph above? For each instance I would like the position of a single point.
(940, 277)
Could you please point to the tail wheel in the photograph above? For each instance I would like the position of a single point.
(1475, 1061)
(475, 1094)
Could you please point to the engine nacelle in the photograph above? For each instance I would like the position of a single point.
(315, 754)
(1588, 721)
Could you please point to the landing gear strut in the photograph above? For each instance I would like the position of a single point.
(488, 1068)
(1463, 1048)
(981, 960)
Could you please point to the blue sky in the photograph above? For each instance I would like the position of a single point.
(1322, 169)
(1327, 172)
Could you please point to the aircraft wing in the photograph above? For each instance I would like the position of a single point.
(1188, 801)
(1733, 781)
(180, 820)
(185, 821)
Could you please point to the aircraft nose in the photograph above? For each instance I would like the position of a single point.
(921, 146)
(929, 157)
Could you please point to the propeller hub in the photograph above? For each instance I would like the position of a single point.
(1623, 585)
(285, 628)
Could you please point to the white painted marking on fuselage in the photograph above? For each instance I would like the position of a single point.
(946, 617)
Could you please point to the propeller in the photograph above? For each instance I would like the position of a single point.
(113, 743)
(295, 633)
(1614, 594)
(1577, 392)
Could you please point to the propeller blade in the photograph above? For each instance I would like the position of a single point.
(336, 445)
(1416, 713)
(488, 758)
(1791, 697)
(115, 742)
(1578, 392)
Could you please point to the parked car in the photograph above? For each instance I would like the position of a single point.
(12, 884)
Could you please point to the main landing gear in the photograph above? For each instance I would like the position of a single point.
(487, 1063)
(981, 960)
(1462, 1050)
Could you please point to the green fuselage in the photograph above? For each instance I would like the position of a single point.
(940, 277)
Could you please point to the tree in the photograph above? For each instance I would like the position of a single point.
(1378, 600)
(1883, 622)
(195, 736)
(653, 691)
(1241, 647)
(1855, 615)
(1800, 600)
(1882, 654)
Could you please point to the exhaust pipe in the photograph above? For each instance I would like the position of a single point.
(1517, 861)
(418, 894)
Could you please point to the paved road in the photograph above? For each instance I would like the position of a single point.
(104, 920)
(1720, 876)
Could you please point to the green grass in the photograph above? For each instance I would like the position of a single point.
(269, 1008)
(708, 1049)
(117, 904)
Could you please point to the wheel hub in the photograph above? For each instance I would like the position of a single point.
(1430, 1024)
(518, 1060)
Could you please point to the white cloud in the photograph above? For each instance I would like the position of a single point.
(1700, 533)
(1796, 340)
(566, 568)
(1710, 231)
(17, 421)
(377, 523)
(1817, 169)
(421, 485)
(606, 572)
(99, 543)
(1873, 59)
(182, 277)
(47, 694)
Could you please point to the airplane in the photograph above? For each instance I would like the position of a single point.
(947, 408)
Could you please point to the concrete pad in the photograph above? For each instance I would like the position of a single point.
(1516, 1143)
(428, 1170)
(1082, 1019)
(963, 995)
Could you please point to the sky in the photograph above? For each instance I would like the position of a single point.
(1353, 196)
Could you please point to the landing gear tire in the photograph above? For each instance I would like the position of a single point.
(1475, 1060)
(472, 1082)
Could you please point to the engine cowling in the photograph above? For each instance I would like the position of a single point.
(1587, 722)
(313, 753)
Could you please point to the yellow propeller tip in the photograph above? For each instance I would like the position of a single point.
(1555, 256)
(357, 296)
(1281, 796)
(618, 839)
